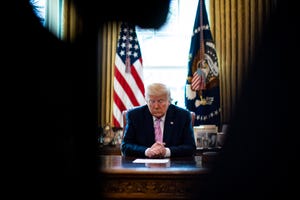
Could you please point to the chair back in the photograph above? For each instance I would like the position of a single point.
(193, 115)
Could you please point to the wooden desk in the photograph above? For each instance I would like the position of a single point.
(109, 150)
(180, 179)
(115, 150)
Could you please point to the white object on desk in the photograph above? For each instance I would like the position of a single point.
(147, 160)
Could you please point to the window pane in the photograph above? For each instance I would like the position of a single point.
(165, 51)
(174, 77)
(39, 6)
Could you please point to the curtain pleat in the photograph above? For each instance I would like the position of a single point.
(110, 32)
(72, 24)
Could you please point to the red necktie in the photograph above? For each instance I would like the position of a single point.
(157, 129)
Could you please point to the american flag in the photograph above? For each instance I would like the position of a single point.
(129, 88)
(198, 80)
(202, 92)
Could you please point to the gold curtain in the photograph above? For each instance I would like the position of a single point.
(72, 24)
(236, 26)
(109, 37)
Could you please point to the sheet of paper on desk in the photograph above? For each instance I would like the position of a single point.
(147, 160)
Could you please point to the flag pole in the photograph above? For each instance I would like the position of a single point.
(127, 61)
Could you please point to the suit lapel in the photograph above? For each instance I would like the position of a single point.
(169, 124)
(149, 126)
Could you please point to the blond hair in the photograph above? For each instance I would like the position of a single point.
(158, 89)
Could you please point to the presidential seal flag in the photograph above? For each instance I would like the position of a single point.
(128, 79)
(202, 92)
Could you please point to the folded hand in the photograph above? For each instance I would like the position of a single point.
(157, 150)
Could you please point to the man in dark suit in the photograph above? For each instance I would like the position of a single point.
(140, 139)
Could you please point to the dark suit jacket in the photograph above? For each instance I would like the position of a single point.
(139, 132)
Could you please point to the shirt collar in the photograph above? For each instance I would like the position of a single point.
(162, 118)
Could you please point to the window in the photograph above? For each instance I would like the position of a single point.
(50, 13)
(39, 6)
(165, 51)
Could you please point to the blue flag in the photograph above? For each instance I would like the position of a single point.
(202, 91)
